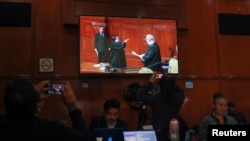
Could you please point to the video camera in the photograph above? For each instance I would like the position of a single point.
(134, 89)
(131, 91)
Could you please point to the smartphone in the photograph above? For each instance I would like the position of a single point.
(55, 88)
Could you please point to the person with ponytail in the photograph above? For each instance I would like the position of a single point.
(218, 116)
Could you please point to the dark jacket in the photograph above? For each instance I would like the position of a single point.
(165, 106)
(118, 58)
(152, 57)
(101, 43)
(100, 122)
(37, 129)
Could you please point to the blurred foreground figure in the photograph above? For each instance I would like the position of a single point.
(23, 101)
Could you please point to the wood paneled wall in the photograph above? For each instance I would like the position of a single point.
(213, 62)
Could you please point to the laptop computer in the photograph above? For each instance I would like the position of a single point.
(144, 135)
(108, 134)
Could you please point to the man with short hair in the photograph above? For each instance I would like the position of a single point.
(232, 111)
(110, 119)
(101, 45)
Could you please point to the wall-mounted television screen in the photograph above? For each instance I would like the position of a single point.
(125, 45)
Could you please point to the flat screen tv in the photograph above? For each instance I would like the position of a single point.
(126, 44)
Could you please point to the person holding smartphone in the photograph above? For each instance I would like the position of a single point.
(165, 105)
(23, 101)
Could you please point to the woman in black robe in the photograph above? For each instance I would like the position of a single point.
(117, 56)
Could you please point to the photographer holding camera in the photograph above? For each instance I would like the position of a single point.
(165, 104)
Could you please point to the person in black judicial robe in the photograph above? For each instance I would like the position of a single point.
(152, 57)
(117, 55)
(101, 45)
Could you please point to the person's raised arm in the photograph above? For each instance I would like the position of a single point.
(125, 40)
(43, 87)
(75, 113)
(69, 98)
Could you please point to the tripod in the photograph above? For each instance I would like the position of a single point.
(142, 117)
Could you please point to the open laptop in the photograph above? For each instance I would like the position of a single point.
(144, 135)
(108, 134)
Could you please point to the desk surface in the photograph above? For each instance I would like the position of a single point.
(89, 67)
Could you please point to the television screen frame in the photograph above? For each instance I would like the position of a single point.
(134, 29)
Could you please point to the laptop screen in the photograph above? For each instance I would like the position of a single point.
(108, 134)
(146, 135)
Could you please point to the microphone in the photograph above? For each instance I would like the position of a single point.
(154, 64)
(163, 69)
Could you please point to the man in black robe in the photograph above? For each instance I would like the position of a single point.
(152, 57)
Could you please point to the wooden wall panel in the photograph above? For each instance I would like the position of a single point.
(234, 55)
(233, 6)
(233, 50)
(198, 102)
(16, 49)
(138, 8)
(237, 91)
(206, 58)
(198, 54)
(15, 0)
(50, 41)
(68, 12)
(133, 33)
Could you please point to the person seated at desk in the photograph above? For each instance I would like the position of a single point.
(110, 119)
(218, 116)
(232, 111)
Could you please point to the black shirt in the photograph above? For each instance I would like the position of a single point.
(37, 129)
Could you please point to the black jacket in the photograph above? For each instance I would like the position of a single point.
(37, 129)
(164, 108)
(100, 122)
(152, 57)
